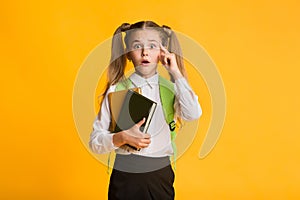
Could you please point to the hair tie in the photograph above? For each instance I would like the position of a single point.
(125, 27)
(167, 30)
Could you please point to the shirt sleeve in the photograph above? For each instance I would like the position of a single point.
(190, 108)
(101, 138)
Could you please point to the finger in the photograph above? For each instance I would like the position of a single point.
(162, 58)
(146, 136)
(145, 141)
(143, 144)
(163, 49)
(140, 123)
(167, 60)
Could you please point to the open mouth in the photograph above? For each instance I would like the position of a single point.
(144, 62)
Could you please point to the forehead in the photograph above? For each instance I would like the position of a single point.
(144, 35)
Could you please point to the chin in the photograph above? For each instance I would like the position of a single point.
(146, 71)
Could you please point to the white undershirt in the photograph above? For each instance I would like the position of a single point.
(101, 139)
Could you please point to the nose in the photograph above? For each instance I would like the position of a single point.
(144, 52)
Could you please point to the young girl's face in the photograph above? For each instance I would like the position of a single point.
(144, 51)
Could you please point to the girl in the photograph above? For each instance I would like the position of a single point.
(146, 173)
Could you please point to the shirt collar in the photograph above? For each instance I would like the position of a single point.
(140, 81)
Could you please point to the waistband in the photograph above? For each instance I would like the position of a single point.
(140, 164)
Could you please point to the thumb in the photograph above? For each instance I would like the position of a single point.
(140, 123)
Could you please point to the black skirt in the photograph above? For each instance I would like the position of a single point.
(141, 184)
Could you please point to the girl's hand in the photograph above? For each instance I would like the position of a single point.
(133, 137)
(169, 62)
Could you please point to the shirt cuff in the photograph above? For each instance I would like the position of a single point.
(105, 142)
(112, 143)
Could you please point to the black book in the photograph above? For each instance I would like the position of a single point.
(134, 107)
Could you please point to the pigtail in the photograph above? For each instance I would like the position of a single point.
(118, 57)
(118, 60)
(174, 47)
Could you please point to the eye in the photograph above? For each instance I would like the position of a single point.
(137, 46)
(153, 46)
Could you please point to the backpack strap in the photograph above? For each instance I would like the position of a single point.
(123, 85)
(167, 97)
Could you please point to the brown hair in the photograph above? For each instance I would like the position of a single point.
(118, 58)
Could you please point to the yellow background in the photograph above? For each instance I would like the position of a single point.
(255, 45)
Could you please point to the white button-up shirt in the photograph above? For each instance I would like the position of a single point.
(101, 138)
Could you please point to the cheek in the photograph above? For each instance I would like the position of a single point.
(133, 55)
(157, 55)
